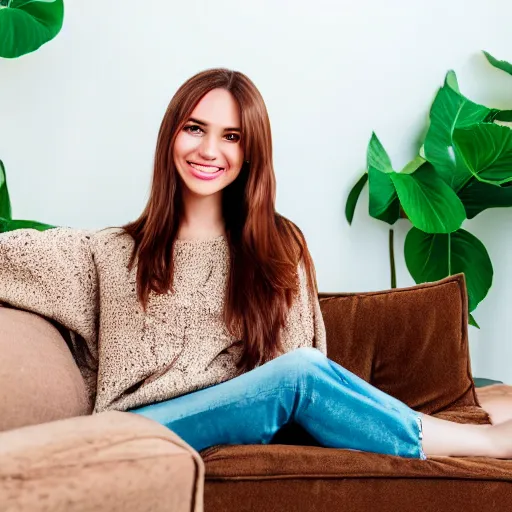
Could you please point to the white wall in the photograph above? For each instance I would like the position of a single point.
(79, 117)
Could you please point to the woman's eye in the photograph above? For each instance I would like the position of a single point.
(235, 138)
(193, 129)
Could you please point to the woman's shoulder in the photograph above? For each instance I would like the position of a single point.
(55, 238)
(110, 235)
(111, 241)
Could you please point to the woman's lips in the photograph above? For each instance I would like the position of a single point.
(195, 170)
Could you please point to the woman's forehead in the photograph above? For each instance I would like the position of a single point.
(218, 109)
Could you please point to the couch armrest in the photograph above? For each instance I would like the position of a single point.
(112, 461)
(39, 379)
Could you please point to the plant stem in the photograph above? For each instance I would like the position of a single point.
(449, 254)
(392, 258)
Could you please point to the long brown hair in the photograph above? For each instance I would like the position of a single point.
(265, 248)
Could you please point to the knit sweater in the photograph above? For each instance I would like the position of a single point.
(130, 357)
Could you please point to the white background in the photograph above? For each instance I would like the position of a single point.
(79, 117)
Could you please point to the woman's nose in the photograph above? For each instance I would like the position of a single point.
(208, 148)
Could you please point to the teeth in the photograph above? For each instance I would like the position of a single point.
(204, 168)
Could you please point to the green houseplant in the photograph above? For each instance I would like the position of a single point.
(463, 167)
(7, 223)
(25, 25)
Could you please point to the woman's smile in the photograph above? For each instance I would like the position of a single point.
(205, 172)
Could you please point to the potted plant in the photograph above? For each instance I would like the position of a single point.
(463, 167)
(25, 25)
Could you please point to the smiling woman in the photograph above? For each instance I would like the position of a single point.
(214, 176)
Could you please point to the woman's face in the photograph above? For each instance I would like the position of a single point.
(208, 152)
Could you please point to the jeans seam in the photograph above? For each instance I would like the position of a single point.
(303, 392)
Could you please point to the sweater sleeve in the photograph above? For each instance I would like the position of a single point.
(52, 273)
(304, 326)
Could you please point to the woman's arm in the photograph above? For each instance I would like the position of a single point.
(305, 325)
(52, 273)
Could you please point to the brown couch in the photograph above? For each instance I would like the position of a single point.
(410, 342)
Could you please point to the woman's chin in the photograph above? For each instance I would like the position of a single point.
(203, 188)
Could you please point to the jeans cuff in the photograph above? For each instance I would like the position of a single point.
(420, 437)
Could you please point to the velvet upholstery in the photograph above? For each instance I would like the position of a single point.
(108, 462)
(39, 380)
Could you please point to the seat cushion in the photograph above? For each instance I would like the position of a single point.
(411, 343)
(308, 478)
(113, 461)
(39, 380)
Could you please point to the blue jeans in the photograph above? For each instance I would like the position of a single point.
(336, 407)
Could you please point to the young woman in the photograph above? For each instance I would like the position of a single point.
(203, 314)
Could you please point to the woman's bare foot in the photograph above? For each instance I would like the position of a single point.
(496, 400)
(501, 439)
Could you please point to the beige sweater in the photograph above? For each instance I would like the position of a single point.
(80, 279)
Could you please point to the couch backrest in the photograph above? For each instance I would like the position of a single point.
(410, 342)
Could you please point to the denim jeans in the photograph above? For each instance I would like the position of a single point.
(333, 405)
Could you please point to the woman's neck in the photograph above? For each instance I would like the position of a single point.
(202, 217)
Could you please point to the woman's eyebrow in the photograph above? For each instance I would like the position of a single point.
(203, 123)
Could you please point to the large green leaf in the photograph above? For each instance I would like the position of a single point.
(383, 204)
(25, 25)
(5, 202)
(377, 157)
(450, 110)
(477, 196)
(486, 150)
(500, 64)
(430, 204)
(430, 257)
(350, 207)
(11, 225)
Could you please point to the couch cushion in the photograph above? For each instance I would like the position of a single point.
(39, 380)
(299, 478)
(114, 461)
(411, 343)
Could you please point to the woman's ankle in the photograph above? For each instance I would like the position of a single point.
(500, 437)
